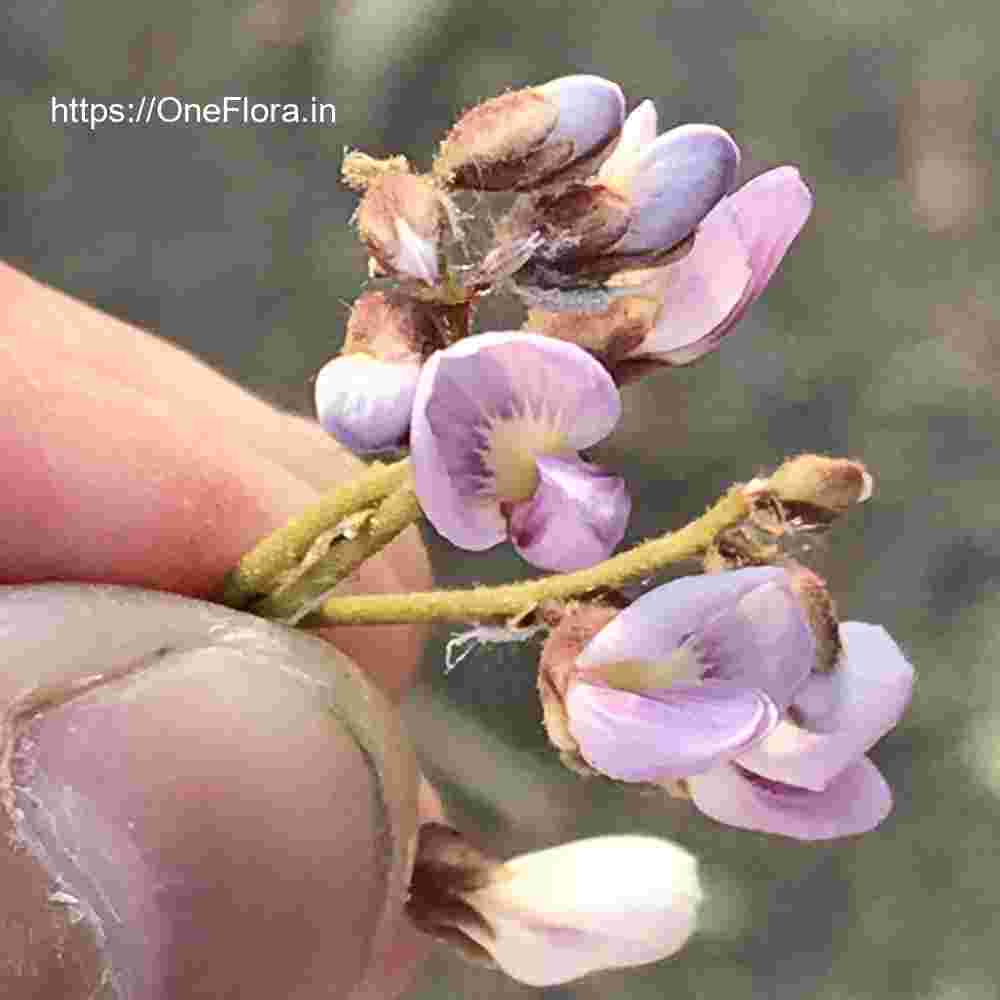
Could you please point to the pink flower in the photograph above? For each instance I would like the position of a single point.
(692, 674)
(498, 422)
(816, 783)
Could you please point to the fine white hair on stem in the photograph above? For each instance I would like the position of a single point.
(461, 644)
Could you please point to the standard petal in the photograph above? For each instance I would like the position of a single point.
(865, 698)
(445, 475)
(576, 517)
(855, 802)
(658, 622)
(699, 292)
(683, 730)
(366, 403)
(602, 903)
(762, 640)
(500, 374)
(638, 131)
(676, 182)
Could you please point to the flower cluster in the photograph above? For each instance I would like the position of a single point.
(737, 689)
(607, 212)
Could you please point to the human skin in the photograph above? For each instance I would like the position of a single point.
(129, 462)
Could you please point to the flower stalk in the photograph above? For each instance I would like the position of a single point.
(291, 603)
(511, 601)
(260, 570)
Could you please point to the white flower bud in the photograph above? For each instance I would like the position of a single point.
(608, 902)
(365, 403)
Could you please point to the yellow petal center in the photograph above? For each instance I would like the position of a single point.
(513, 444)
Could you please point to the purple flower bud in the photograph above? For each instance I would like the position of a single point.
(527, 138)
(693, 673)
(671, 184)
(366, 403)
(491, 412)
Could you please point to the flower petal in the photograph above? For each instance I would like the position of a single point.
(446, 474)
(676, 181)
(770, 212)
(763, 640)
(591, 111)
(867, 695)
(366, 403)
(658, 622)
(638, 131)
(680, 731)
(855, 802)
(699, 292)
(577, 516)
(602, 903)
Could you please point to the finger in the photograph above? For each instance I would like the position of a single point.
(136, 464)
(223, 807)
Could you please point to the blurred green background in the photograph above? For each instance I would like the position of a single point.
(875, 341)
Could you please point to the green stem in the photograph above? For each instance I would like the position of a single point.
(482, 604)
(292, 603)
(260, 569)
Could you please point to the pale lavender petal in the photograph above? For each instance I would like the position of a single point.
(502, 374)
(444, 477)
(365, 403)
(659, 622)
(576, 517)
(700, 291)
(638, 131)
(763, 640)
(855, 802)
(677, 180)
(869, 692)
(591, 111)
(682, 731)
(770, 212)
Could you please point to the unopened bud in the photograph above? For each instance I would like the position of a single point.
(401, 219)
(529, 137)
(556, 915)
(365, 403)
(830, 486)
(672, 184)
(394, 327)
